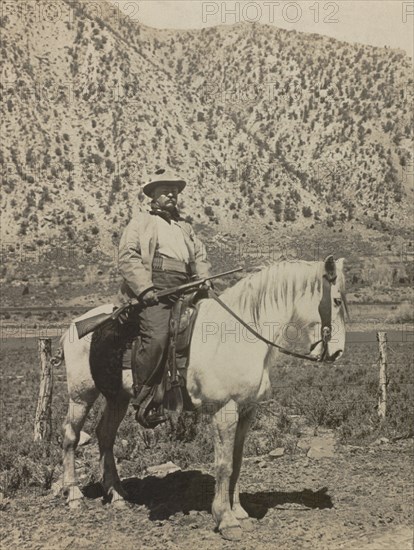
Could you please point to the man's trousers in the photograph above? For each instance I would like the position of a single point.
(151, 353)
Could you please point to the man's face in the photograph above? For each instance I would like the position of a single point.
(165, 196)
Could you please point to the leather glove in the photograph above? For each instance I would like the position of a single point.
(208, 285)
(123, 318)
(150, 298)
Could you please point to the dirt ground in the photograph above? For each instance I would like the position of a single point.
(360, 499)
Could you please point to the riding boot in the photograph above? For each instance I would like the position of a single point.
(147, 414)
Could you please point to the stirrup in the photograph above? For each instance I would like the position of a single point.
(146, 415)
(150, 418)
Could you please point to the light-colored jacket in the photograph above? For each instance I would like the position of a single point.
(136, 252)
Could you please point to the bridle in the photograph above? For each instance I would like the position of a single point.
(325, 312)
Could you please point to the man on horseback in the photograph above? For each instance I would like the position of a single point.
(157, 250)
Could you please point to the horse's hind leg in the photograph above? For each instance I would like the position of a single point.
(111, 418)
(246, 416)
(225, 423)
(72, 426)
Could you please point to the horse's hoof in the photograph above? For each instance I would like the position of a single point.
(247, 524)
(77, 504)
(119, 504)
(122, 493)
(232, 533)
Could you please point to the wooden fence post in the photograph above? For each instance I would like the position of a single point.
(383, 379)
(43, 419)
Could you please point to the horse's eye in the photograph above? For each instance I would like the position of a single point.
(338, 301)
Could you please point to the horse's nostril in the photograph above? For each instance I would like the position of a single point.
(337, 301)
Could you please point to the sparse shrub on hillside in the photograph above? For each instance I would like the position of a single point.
(31, 199)
(23, 227)
(9, 185)
(68, 166)
(307, 211)
(290, 214)
(110, 166)
(116, 184)
(278, 209)
(94, 159)
(70, 233)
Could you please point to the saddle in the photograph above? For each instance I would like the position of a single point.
(113, 349)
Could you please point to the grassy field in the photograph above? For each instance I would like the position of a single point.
(341, 397)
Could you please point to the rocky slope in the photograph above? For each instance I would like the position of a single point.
(269, 126)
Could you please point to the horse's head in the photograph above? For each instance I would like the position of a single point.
(323, 313)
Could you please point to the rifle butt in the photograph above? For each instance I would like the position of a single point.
(86, 326)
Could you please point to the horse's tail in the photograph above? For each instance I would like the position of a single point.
(59, 355)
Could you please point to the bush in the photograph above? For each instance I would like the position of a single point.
(27, 464)
(345, 396)
(307, 211)
(116, 184)
(290, 214)
(403, 314)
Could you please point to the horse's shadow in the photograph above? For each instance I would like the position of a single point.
(193, 490)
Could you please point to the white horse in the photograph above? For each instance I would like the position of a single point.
(228, 372)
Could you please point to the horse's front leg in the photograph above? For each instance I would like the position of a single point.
(246, 416)
(225, 422)
(106, 430)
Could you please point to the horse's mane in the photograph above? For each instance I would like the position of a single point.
(277, 286)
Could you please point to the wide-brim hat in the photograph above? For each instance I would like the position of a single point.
(163, 176)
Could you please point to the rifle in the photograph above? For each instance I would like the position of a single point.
(86, 326)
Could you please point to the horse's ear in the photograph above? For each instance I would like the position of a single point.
(330, 267)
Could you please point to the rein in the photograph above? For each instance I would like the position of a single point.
(325, 311)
